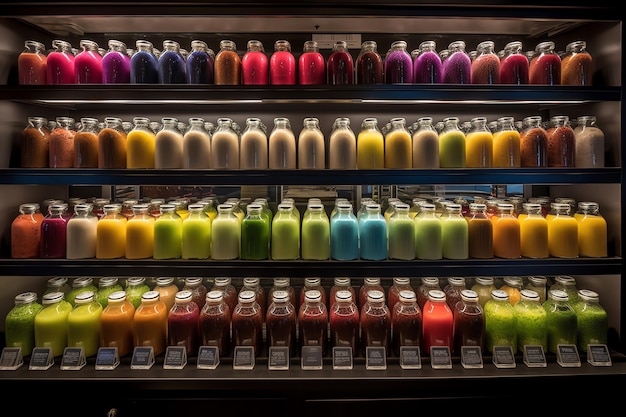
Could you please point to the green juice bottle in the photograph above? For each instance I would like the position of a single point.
(168, 233)
(106, 287)
(196, 239)
(19, 325)
(592, 320)
(285, 241)
(428, 233)
(452, 144)
(531, 321)
(255, 233)
(83, 324)
(500, 322)
(454, 233)
(51, 323)
(315, 233)
(225, 234)
(562, 321)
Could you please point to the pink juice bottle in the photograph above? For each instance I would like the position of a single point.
(60, 68)
(545, 66)
(255, 65)
(88, 64)
(53, 243)
(282, 64)
(116, 64)
(513, 65)
(311, 65)
(340, 65)
(457, 67)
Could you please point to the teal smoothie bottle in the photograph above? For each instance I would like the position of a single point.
(500, 322)
(168, 233)
(315, 233)
(19, 325)
(51, 323)
(592, 320)
(285, 242)
(196, 239)
(255, 233)
(531, 324)
(344, 233)
(561, 319)
(428, 233)
(373, 234)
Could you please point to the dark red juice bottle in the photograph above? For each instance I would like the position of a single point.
(313, 321)
(406, 321)
(280, 322)
(254, 284)
(453, 290)
(340, 283)
(247, 322)
(368, 285)
(283, 284)
(469, 321)
(228, 290)
(375, 322)
(198, 290)
(312, 283)
(428, 283)
(182, 323)
(53, 237)
(393, 295)
(214, 322)
(344, 322)
(369, 64)
(340, 65)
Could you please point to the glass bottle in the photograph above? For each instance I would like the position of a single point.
(229, 291)
(196, 234)
(506, 233)
(86, 144)
(406, 321)
(227, 64)
(398, 64)
(427, 65)
(562, 232)
(282, 64)
(561, 148)
(282, 145)
(116, 323)
(339, 284)
(50, 325)
(483, 287)
(168, 233)
(31, 64)
(480, 232)
(81, 232)
(315, 234)
(198, 290)
(437, 322)
(111, 144)
(452, 151)
(135, 288)
(61, 144)
(453, 290)
(111, 233)
(19, 326)
(311, 145)
(34, 144)
(373, 234)
(398, 145)
(592, 230)
(168, 152)
(577, 65)
(247, 322)
(401, 229)
(591, 319)
(531, 321)
(254, 145)
(150, 323)
(116, 64)
(340, 66)
(533, 232)
(26, 232)
(500, 322)
(369, 284)
(428, 233)
(311, 65)
(313, 321)
(454, 233)
(561, 319)
(83, 324)
(393, 294)
(375, 322)
(283, 284)
(370, 145)
(172, 66)
(255, 64)
(214, 323)
(106, 287)
(225, 234)
(281, 321)
(140, 233)
(144, 65)
(486, 66)
(479, 145)
(60, 67)
(255, 234)
(506, 144)
(225, 145)
(425, 144)
(514, 66)
(533, 143)
(58, 284)
(196, 145)
(512, 286)
(545, 66)
(285, 234)
(468, 321)
(369, 64)
(344, 234)
(183, 323)
(199, 65)
(457, 67)
(426, 284)
(568, 284)
(53, 235)
(589, 143)
(140, 144)
(344, 322)
(88, 63)
(537, 283)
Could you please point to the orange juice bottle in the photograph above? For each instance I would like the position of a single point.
(111, 233)
(506, 144)
(562, 232)
(592, 230)
(506, 233)
(140, 233)
(533, 232)
(116, 323)
(150, 323)
(370, 146)
(398, 145)
(479, 145)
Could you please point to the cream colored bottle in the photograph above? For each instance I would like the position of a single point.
(342, 145)
(254, 145)
(225, 146)
(311, 146)
(282, 145)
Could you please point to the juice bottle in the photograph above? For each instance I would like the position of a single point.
(168, 234)
(112, 144)
(31, 64)
(82, 233)
(454, 234)
(83, 324)
(60, 68)
(53, 237)
(531, 321)
(116, 323)
(468, 321)
(135, 288)
(533, 232)
(406, 321)
(214, 323)
(375, 322)
(342, 145)
(61, 144)
(247, 322)
(506, 233)
(592, 230)
(227, 64)
(140, 145)
(344, 233)
(198, 290)
(51, 323)
(373, 234)
(561, 320)
(437, 322)
(453, 290)
(500, 322)
(311, 146)
(172, 67)
(182, 323)
(196, 145)
(537, 283)
(225, 285)
(483, 287)
(457, 67)
(479, 144)
(479, 232)
(88, 63)
(106, 287)
(512, 286)
(281, 321)
(144, 65)
(340, 67)
(315, 233)
(514, 65)
(311, 65)
(426, 284)
(150, 323)
(34, 144)
(568, 284)
(254, 145)
(20, 323)
(199, 65)
(80, 285)
(561, 143)
(369, 284)
(591, 320)
(312, 283)
(86, 144)
(285, 239)
(111, 233)
(196, 234)
(425, 144)
(452, 146)
(168, 145)
(545, 66)
(562, 232)
(533, 143)
(254, 64)
(369, 64)
(393, 294)
(589, 140)
(506, 144)
(398, 64)
(283, 284)
(255, 234)
(282, 64)
(225, 234)
(26, 232)
(370, 145)
(254, 284)
(344, 322)
(401, 234)
(577, 65)
(398, 145)
(428, 234)
(140, 233)
(167, 289)
(486, 65)
(313, 321)
(427, 65)
(116, 64)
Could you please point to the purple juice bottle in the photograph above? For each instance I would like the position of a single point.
(53, 241)
(457, 67)
(200, 64)
(144, 65)
(427, 66)
(116, 64)
(398, 64)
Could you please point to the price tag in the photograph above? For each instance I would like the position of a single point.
(598, 355)
(73, 359)
(143, 357)
(440, 357)
(175, 357)
(342, 357)
(471, 357)
(567, 356)
(11, 358)
(208, 357)
(375, 358)
(278, 358)
(107, 358)
(410, 357)
(41, 359)
(311, 358)
(503, 357)
(534, 356)
(243, 357)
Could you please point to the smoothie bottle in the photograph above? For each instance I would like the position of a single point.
(116, 64)
(398, 145)
(344, 322)
(506, 233)
(150, 323)
(531, 321)
(344, 234)
(80, 285)
(369, 284)
(451, 144)
(34, 144)
(398, 64)
(199, 65)
(280, 322)
(393, 294)
(369, 64)
(111, 233)
(339, 284)
(196, 234)
(480, 232)
(342, 145)
(486, 65)
(315, 233)
(255, 234)
(81, 233)
(168, 145)
(225, 234)
(425, 145)
(512, 286)
(589, 139)
(483, 287)
(172, 67)
(86, 144)
(182, 323)
(282, 64)
(457, 67)
(454, 234)
(313, 321)
(340, 66)
(426, 284)
(140, 144)
(373, 234)
(592, 230)
(562, 233)
(506, 144)
(31, 64)
(311, 65)
(533, 232)
(545, 66)
(577, 65)
(112, 144)
(568, 284)
(479, 145)
(168, 234)
(282, 145)
(311, 145)
(533, 143)
(83, 324)
(428, 234)
(468, 321)
(561, 320)
(370, 145)
(537, 283)
(61, 144)
(227, 64)
(50, 325)
(26, 232)
(144, 65)
(19, 322)
(561, 143)
(500, 322)
(106, 287)
(140, 233)
(255, 64)
(225, 145)
(406, 321)
(88, 64)
(247, 322)
(135, 288)
(437, 322)
(285, 234)
(514, 65)
(591, 319)
(60, 67)
(214, 323)
(401, 229)
(254, 145)
(427, 66)
(196, 145)
(376, 322)
(116, 323)
(53, 236)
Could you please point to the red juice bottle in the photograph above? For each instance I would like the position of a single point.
(31, 64)
(340, 65)
(280, 321)
(344, 322)
(214, 323)
(60, 68)
(368, 285)
(545, 66)
(283, 284)
(393, 295)
(340, 283)
(311, 65)
(313, 321)
(468, 321)
(53, 238)
(437, 323)
(247, 322)
(198, 290)
(453, 290)
(182, 323)
(428, 283)
(406, 321)
(88, 64)
(254, 284)
(282, 64)
(376, 322)
(312, 283)
(369, 64)
(230, 292)
(255, 65)
(514, 65)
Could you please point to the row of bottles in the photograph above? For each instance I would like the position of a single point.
(502, 143)
(423, 65)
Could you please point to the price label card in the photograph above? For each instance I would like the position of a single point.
(175, 357)
(243, 357)
(503, 357)
(11, 358)
(208, 357)
(375, 358)
(107, 358)
(471, 357)
(41, 359)
(534, 356)
(440, 357)
(278, 358)
(342, 357)
(567, 356)
(73, 359)
(143, 357)
(410, 357)
(598, 355)
(311, 358)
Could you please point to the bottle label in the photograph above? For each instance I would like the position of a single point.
(342, 357)
(73, 359)
(278, 358)
(243, 357)
(208, 357)
(598, 355)
(567, 356)
(143, 357)
(11, 358)
(175, 357)
(107, 359)
(410, 357)
(503, 357)
(375, 358)
(41, 359)
(534, 356)
(440, 357)
(311, 357)
(471, 357)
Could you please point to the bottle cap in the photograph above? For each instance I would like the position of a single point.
(281, 282)
(105, 282)
(222, 282)
(401, 281)
(280, 296)
(247, 296)
(193, 281)
(469, 295)
(25, 298)
(164, 281)
(343, 295)
(371, 281)
(312, 282)
(436, 295)
(407, 296)
(82, 282)
(150, 295)
(117, 296)
(375, 296)
(342, 281)
(499, 295)
(588, 295)
(313, 295)
(183, 296)
(529, 295)
(214, 296)
(484, 280)
(558, 295)
(84, 297)
(52, 297)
